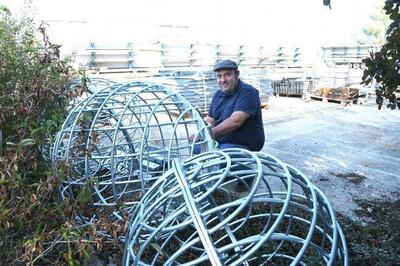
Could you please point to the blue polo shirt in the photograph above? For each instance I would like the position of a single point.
(244, 98)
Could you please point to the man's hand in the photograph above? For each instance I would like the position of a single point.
(191, 138)
(211, 121)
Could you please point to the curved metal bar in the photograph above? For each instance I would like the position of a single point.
(109, 141)
(281, 218)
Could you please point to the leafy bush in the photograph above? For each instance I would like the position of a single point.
(35, 91)
(383, 66)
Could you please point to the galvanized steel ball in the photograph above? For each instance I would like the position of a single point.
(194, 215)
(122, 138)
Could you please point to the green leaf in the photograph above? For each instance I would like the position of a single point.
(84, 196)
(5, 10)
(27, 142)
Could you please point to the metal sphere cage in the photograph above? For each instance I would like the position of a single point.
(95, 84)
(120, 139)
(192, 216)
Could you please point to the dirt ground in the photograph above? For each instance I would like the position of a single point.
(350, 152)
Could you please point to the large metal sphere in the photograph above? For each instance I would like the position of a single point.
(122, 138)
(193, 216)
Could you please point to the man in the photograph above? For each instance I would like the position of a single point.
(235, 111)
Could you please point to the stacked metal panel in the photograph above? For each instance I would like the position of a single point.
(339, 76)
(287, 57)
(198, 86)
(346, 55)
(250, 55)
(204, 55)
(176, 55)
(116, 56)
(186, 67)
(109, 56)
(258, 77)
(181, 54)
(147, 55)
(228, 51)
(265, 57)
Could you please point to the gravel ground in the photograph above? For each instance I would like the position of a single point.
(350, 152)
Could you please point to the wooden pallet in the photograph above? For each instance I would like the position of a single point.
(330, 100)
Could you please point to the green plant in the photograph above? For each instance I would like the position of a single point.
(35, 92)
(373, 239)
(383, 66)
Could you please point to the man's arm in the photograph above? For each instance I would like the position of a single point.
(230, 124)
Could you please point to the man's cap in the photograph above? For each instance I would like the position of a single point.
(225, 64)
